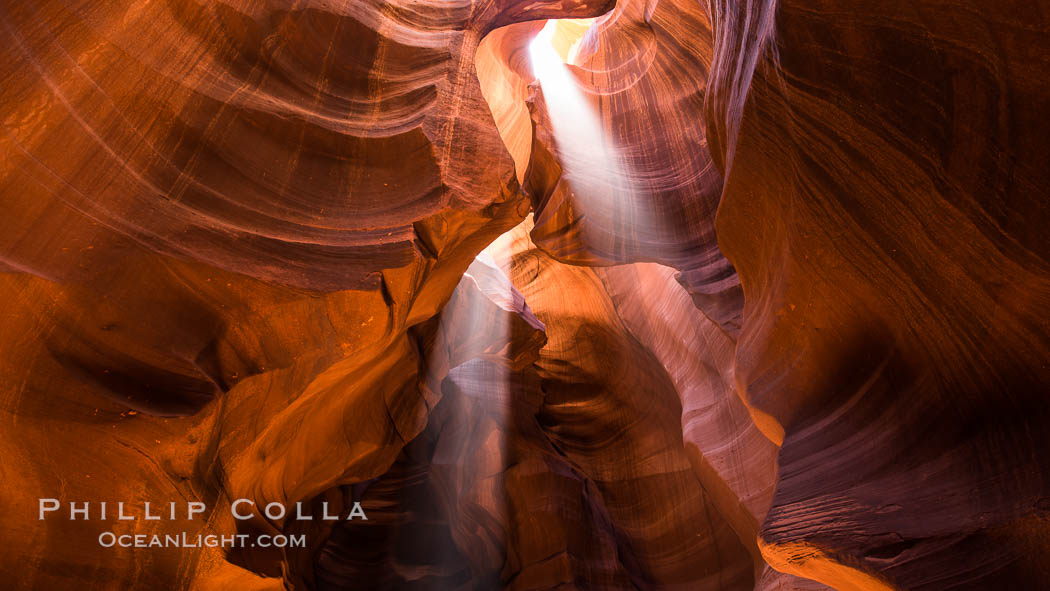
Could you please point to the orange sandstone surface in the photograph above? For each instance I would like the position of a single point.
(771, 313)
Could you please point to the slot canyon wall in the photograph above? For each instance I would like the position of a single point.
(339, 253)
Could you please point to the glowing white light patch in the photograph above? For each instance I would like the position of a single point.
(592, 165)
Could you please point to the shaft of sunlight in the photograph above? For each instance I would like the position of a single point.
(598, 176)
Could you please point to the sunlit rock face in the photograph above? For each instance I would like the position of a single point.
(674, 295)
(611, 407)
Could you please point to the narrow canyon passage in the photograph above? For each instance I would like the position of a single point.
(588, 294)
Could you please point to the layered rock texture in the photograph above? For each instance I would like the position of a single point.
(893, 258)
(767, 310)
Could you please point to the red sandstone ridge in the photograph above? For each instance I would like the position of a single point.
(744, 295)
